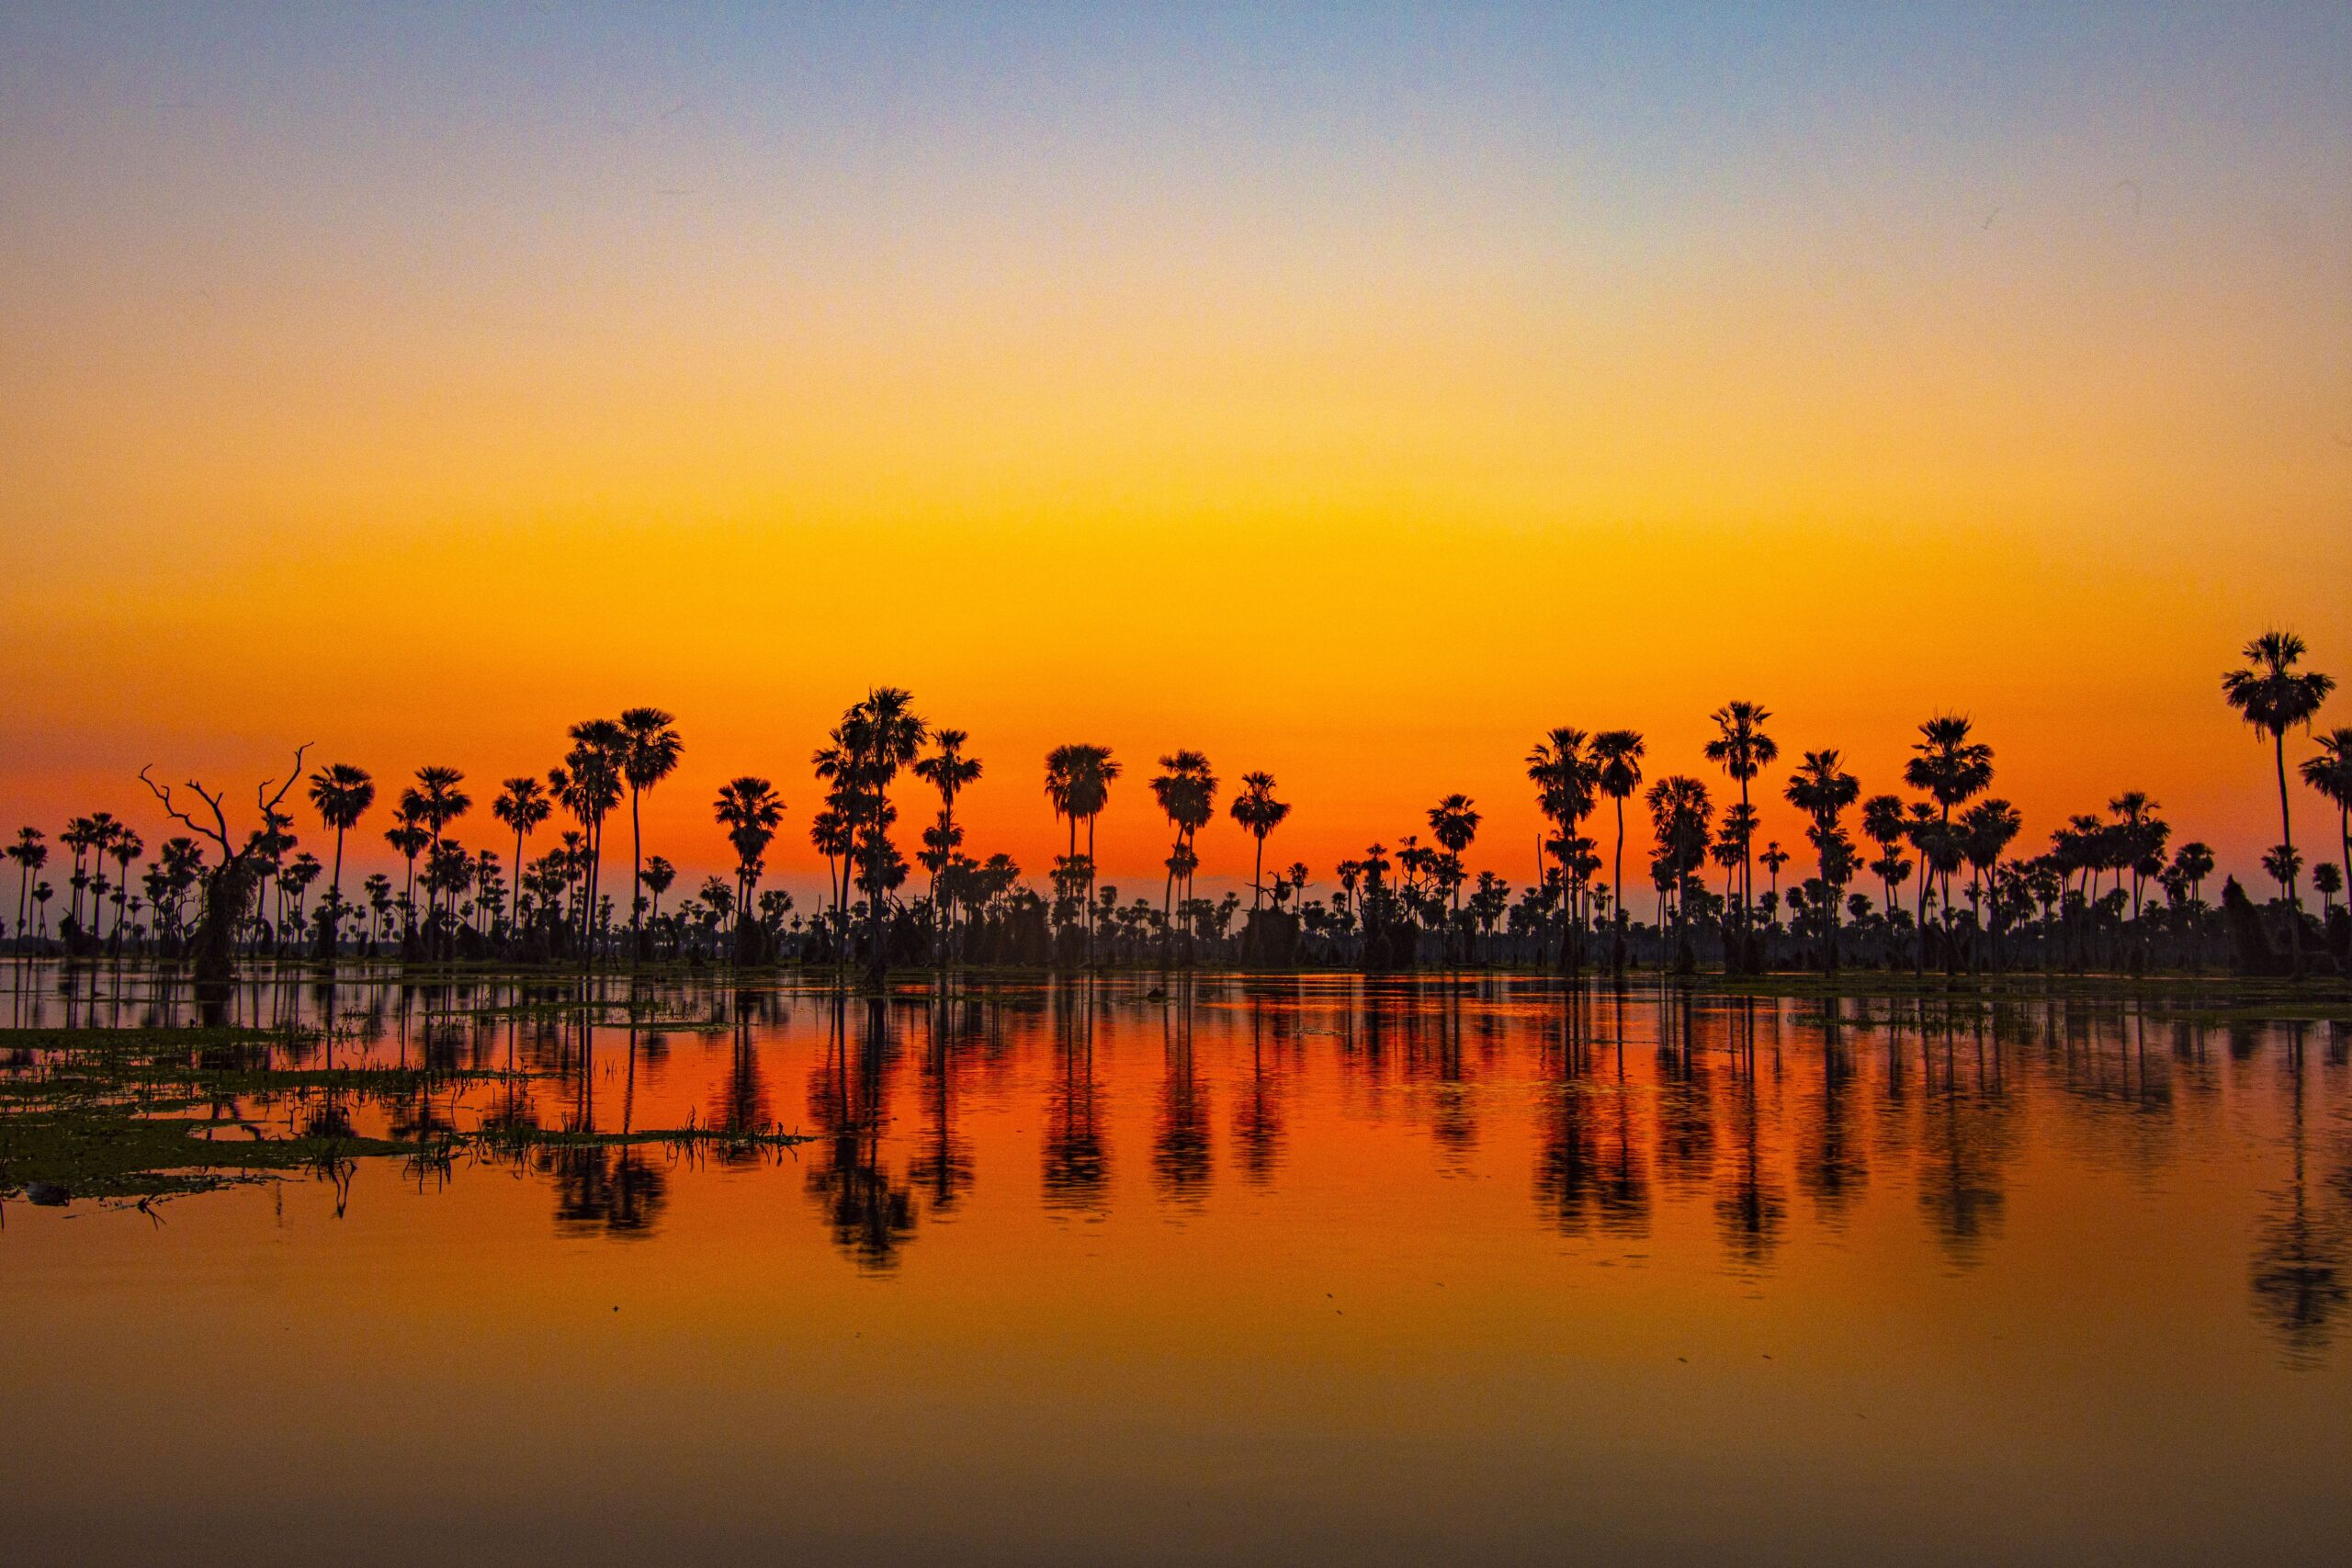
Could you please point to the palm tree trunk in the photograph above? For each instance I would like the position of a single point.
(2287, 851)
(636, 878)
(1617, 953)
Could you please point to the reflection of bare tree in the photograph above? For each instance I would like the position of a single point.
(1077, 1162)
(598, 1188)
(1179, 1145)
(869, 1215)
(2298, 1274)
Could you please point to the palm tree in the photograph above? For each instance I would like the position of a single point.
(2329, 772)
(1186, 791)
(650, 747)
(341, 794)
(1985, 833)
(435, 802)
(1255, 807)
(1681, 818)
(1565, 777)
(1953, 769)
(1453, 823)
(1742, 749)
(657, 875)
(30, 855)
(125, 848)
(948, 770)
(2272, 697)
(749, 810)
(878, 737)
(1077, 786)
(595, 780)
(1822, 789)
(408, 837)
(1618, 754)
(523, 806)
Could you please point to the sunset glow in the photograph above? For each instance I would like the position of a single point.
(1348, 398)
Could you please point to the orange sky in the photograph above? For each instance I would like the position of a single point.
(1357, 428)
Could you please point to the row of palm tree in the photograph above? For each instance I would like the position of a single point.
(1950, 830)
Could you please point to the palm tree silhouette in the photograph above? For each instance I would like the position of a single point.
(30, 855)
(1742, 749)
(1186, 791)
(521, 805)
(651, 746)
(1453, 823)
(341, 794)
(126, 848)
(2271, 696)
(948, 770)
(2329, 772)
(434, 802)
(877, 737)
(1618, 754)
(1565, 778)
(1952, 768)
(1255, 807)
(1822, 789)
(749, 809)
(659, 874)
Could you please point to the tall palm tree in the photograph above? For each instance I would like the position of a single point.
(1680, 815)
(434, 801)
(30, 855)
(2272, 696)
(1742, 749)
(1186, 791)
(1453, 823)
(341, 793)
(650, 747)
(749, 810)
(1952, 767)
(2329, 772)
(1255, 807)
(125, 848)
(1618, 754)
(878, 736)
(594, 781)
(523, 806)
(1564, 776)
(1822, 789)
(408, 837)
(948, 770)
(1985, 834)
(1078, 782)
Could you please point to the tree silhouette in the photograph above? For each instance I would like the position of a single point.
(1255, 807)
(2329, 772)
(2273, 697)
(1742, 749)
(1618, 754)
(948, 770)
(650, 749)
(340, 795)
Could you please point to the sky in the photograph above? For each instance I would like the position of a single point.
(1352, 393)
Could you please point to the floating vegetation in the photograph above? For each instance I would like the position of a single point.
(138, 1113)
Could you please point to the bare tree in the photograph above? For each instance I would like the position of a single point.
(225, 883)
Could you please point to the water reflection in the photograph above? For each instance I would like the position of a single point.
(1751, 1133)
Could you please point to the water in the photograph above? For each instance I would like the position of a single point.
(1285, 1271)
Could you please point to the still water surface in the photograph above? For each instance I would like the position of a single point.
(1295, 1270)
